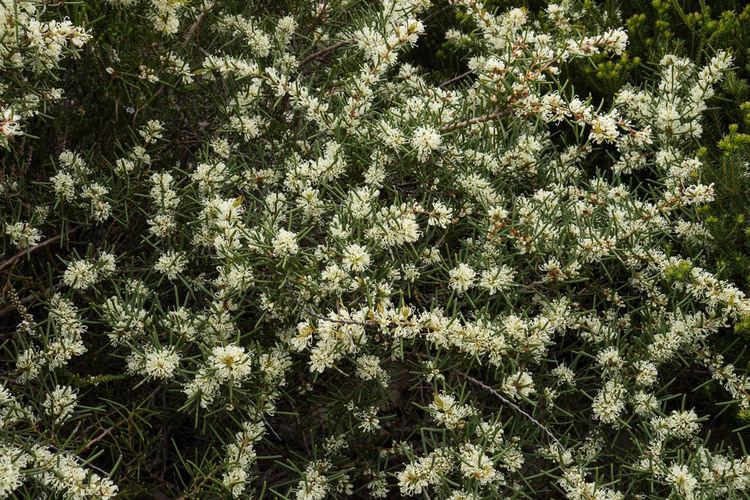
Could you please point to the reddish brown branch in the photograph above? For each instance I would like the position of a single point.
(43, 244)
(473, 121)
(325, 51)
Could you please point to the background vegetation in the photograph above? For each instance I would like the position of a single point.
(144, 436)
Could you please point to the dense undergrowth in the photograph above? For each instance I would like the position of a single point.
(449, 249)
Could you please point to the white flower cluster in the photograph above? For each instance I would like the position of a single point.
(157, 363)
(228, 364)
(56, 350)
(448, 412)
(23, 234)
(31, 48)
(344, 274)
(82, 274)
(71, 185)
(240, 457)
(60, 403)
(60, 472)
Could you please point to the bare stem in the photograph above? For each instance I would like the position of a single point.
(455, 79)
(473, 121)
(324, 51)
(43, 244)
(510, 403)
(193, 28)
(340, 321)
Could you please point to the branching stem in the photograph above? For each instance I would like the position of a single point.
(509, 403)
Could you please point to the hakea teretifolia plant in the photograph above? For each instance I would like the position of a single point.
(31, 51)
(366, 283)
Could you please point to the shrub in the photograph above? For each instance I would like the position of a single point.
(272, 259)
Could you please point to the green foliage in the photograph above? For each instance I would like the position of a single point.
(362, 249)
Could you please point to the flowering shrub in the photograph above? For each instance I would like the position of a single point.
(31, 48)
(339, 277)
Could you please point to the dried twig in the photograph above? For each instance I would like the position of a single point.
(98, 438)
(43, 244)
(510, 403)
(28, 300)
(370, 322)
(325, 51)
(455, 79)
(473, 121)
(193, 28)
(12, 307)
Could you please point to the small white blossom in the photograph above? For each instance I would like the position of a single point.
(461, 277)
(172, 264)
(285, 243)
(426, 141)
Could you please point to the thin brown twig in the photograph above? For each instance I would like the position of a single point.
(43, 244)
(510, 403)
(97, 438)
(473, 121)
(455, 79)
(12, 307)
(325, 51)
(370, 322)
(28, 300)
(193, 28)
